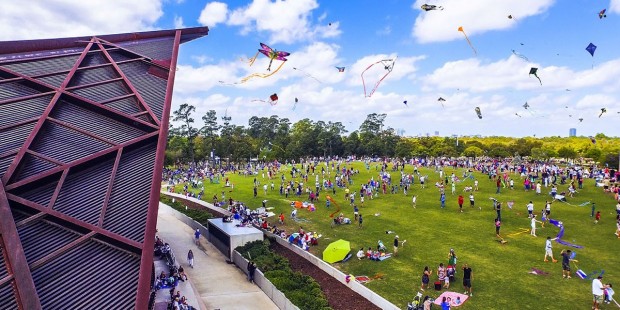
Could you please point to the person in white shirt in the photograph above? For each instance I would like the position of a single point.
(530, 209)
(548, 250)
(597, 292)
(533, 231)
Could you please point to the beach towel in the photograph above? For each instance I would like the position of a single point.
(453, 296)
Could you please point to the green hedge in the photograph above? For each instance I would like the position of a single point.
(200, 216)
(303, 291)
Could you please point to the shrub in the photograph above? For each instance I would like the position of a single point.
(200, 216)
(303, 291)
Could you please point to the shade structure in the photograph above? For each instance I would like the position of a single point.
(336, 251)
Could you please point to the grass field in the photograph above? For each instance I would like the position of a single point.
(500, 272)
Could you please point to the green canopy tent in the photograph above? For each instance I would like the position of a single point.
(336, 251)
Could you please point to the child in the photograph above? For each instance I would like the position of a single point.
(597, 217)
(543, 217)
(414, 199)
(461, 203)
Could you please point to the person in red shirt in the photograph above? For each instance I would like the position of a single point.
(461, 203)
(281, 218)
(597, 217)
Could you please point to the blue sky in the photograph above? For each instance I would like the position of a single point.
(434, 59)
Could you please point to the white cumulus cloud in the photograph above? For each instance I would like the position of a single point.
(213, 13)
(475, 16)
(38, 19)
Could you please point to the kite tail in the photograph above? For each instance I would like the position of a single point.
(539, 79)
(252, 60)
(261, 75)
(470, 45)
(337, 205)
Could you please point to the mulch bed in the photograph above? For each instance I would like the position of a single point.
(338, 295)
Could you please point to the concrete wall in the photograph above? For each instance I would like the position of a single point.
(194, 203)
(337, 274)
(259, 279)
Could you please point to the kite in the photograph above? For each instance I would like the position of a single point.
(558, 238)
(477, 109)
(405, 102)
(340, 69)
(273, 99)
(581, 120)
(273, 55)
(388, 65)
(430, 7)
(526, 105)
(603, 111)
(520, 55)
(466, 38)
(441, 100)
(591, 49)
(534, 71)
(517, 114)
(307, 74)
(295, 104)
(602, 14)
(592, 139)
(567, 89)
(336, 204)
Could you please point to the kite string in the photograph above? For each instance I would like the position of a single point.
(469, 42)
(378, 82)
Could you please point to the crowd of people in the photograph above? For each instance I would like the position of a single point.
(170, 280)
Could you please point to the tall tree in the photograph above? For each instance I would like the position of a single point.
(210, 129)
(187, 129)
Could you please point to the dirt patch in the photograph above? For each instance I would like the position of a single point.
(339, 296)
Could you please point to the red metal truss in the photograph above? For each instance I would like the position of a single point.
(81, 172)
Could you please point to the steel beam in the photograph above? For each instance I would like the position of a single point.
(146, 259)
(82, 131)
(15, 259)
(108, 193)
(20, 155)
(76, 222)
(61, 251)
(141, 100)
(79, 161)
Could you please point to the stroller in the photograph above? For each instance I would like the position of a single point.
(418, 302)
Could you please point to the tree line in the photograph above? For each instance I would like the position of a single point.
(269, 138)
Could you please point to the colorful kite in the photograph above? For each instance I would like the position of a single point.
(430, 7)
(388, 65)
(469, 42)
(534, 71)
(307, 74)
(520, 56)
(602, 14)
(558, 238)
(273, 55)
(603, 111)
(591, 49)
(340, 69)
(273, 99)
(478, 112)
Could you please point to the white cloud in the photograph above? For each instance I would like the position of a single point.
(286, 21)
(178, 22)
(614, 6)
(202, 59)
(38, 19)
(384, 31)
(476, 16)
(213, 13)
(513, 73)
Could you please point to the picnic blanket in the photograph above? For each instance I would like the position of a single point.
(453, 296)
(362, 279)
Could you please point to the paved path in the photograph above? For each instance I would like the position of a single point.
(218, 285)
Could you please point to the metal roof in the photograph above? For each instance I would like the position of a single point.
(83, 127)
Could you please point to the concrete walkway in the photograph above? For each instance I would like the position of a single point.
(217, 284)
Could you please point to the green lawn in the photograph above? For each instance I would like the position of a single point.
(501, 279)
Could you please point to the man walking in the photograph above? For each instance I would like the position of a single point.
(467, 278)
(197, 236)
(597, 292)
(566, 263)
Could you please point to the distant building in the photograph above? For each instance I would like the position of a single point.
(572, 132)
(436, 133)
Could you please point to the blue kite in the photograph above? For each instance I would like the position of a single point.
(591, 49)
